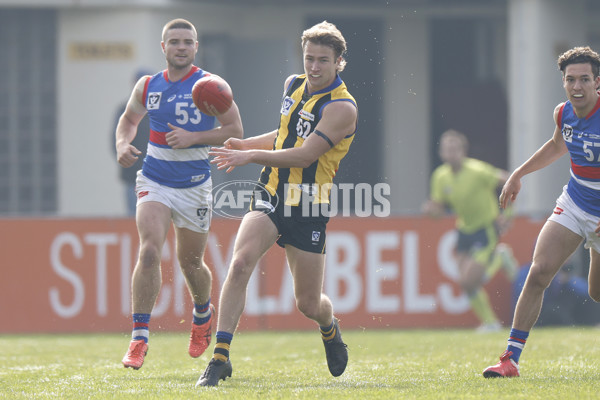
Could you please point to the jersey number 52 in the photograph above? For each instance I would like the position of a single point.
(303, 128)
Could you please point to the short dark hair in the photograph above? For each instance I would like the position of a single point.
(178, 23)
(454, 134)
(580, 55)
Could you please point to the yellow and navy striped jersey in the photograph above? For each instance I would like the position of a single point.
(300, 114)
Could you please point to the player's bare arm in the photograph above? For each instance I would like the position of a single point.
(260, 142)
(230, 127)
(433, 209)
(127, 154)
(550, 151)
(338, 121)
(264, 142)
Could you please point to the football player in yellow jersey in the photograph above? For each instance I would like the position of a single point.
(467, 187)
(318, 120)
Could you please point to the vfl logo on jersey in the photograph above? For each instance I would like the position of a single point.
(286, 105)
(153, 102)
(306, 115)
(567, 132)
(316, 235)
(201, 212)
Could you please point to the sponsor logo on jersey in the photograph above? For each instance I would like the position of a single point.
(153, 102)
(567, 132)
(587, 135)
(558, 211)
(264, 204)
(286, 105)
(306, 115)
(170, 99)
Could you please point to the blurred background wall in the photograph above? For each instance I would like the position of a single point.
(416, 68)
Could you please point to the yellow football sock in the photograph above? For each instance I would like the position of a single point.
(480, 303)
(493, 267)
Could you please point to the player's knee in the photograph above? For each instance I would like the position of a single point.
(594, 293)
(309, 308)
(192, 262)
(149, 256)
(195, 267)
(240, 269)
(539, 277)
(469, 285)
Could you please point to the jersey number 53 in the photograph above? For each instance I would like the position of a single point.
(182, 110)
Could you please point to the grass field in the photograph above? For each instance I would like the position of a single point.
(558, 363)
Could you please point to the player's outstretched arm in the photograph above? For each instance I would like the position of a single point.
(433, 209)
(550, 151)
(260, 142)
(338, 121)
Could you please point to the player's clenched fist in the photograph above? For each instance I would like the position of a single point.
(127, 155)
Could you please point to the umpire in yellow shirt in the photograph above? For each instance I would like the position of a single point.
(467, 187)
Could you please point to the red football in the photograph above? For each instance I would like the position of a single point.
(212, 95)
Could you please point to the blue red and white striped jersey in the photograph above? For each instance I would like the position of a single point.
(171, 102)
(582, 137)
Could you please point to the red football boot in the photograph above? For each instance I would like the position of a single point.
(200, 336)
(134, 358)
(506, 368)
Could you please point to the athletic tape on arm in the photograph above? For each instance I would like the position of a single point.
(318, 132)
